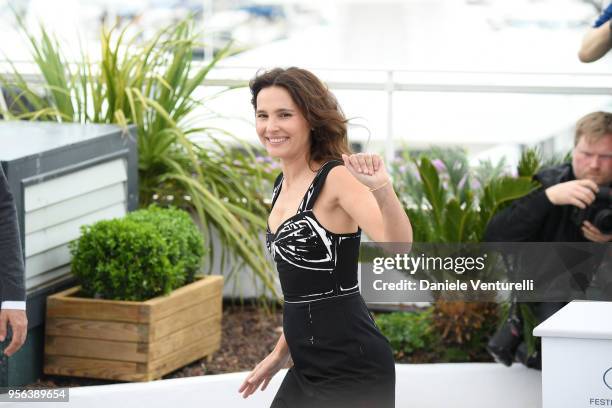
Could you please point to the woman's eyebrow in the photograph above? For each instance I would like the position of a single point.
(276, 111)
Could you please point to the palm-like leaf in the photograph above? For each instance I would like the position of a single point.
(151, 86)
(434, 193)
(499, 193)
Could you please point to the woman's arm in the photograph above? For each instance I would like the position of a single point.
(281, 349)
(379, 213)
(266, 369)
(396, 225)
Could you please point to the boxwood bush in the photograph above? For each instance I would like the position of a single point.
(184, 241)
(146, 254)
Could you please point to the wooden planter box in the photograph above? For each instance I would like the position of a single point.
(132, 341)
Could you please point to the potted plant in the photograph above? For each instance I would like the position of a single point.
(140, 310)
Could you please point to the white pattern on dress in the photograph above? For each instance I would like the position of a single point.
(304, 243)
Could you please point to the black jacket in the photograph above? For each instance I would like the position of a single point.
(534, 218)
(12, 286)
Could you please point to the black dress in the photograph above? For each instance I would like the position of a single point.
(340, 357)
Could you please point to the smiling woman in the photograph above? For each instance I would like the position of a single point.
(279, 123)
(319, 206)
(296, 102)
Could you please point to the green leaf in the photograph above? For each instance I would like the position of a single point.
(432, 189)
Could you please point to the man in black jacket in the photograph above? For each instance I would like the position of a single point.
(548, 214)
(545, 215)
(12, 286)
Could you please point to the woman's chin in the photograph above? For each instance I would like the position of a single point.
(275, 152)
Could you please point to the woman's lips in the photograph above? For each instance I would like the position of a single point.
(276, 140)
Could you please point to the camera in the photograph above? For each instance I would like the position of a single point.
(507, 345)
(505, 342)
(599, 213)
(533, 360)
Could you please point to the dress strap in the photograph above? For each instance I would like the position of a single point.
(317, 184)
(277, 187)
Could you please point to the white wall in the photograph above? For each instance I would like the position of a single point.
(468, 385)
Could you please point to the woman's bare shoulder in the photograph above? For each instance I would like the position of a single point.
(342, 181)
(338, 173)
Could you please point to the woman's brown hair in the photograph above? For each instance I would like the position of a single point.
(318, 106)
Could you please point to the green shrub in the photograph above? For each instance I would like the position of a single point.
(415, 337)
(184, 241)
(408, 332)
(146, 254)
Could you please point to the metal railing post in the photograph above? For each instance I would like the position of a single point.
(389, 147)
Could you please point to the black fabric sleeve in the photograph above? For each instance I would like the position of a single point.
(12, 272)
(521, 221)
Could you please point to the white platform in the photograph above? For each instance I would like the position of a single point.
(465, 385)
(576, 346)
(579, 320)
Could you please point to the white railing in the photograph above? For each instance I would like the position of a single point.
(393, 82)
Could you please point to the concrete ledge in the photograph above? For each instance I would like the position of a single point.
(459, 385)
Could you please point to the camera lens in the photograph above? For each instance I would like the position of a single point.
(603, 221)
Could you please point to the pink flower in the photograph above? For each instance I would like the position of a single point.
(439, 165)
(462, 182)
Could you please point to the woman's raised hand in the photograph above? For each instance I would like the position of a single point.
(368, 168)
(263, 373)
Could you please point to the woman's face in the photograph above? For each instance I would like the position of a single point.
(280, 125)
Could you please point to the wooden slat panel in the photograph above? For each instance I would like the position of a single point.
(182, 338)
(194, 351)
(74, 208)
(97, 329)
(48, 276)
(75, 184)
(93, 348)
(63, 305)
(185, 317)
(45, 261)
(43, 240)
(94, 368)
(186, 296)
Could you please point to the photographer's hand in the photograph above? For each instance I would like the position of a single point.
(579, 193)
(592, 233)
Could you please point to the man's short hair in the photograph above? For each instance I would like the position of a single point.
(594, 126)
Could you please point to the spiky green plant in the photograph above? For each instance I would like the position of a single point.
(151, 85)
(456, 208)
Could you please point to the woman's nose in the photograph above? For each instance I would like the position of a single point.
(272, 125)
